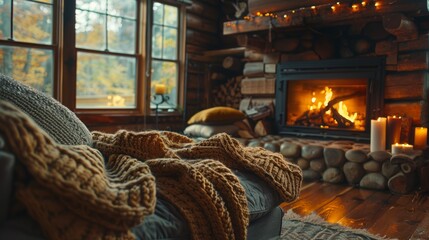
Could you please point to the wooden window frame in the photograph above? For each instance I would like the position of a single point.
(65, 62)
(181, 51)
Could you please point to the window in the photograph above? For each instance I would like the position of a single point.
(165, 45)
(106, 43)
(98, 53)
(27, 42)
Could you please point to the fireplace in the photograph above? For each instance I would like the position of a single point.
(329, 98)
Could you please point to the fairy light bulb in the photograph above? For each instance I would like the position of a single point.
(355, 7)
(377, 5)
(363, 3)
(333, 8)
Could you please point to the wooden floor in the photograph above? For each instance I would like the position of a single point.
(382, 213)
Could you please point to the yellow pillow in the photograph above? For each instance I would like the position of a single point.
(217, 115)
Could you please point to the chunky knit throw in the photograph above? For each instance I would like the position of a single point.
(70, 190)
(221, 150)
(76, 193)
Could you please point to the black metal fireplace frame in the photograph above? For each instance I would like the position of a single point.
(371, 68)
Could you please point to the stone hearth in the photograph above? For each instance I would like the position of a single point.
(345, 162)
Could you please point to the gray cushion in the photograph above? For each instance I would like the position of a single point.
(206, 131)
(261, 198)
(165, 223)
(56, 119)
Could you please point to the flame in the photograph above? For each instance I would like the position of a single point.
(328, 94)
(342, 109)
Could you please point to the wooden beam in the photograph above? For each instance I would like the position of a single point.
(323, 15)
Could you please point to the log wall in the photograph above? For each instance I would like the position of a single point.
(202, 34)
(406, 84)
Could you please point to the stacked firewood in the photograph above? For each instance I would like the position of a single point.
(228, 94)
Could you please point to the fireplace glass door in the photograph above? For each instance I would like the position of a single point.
(329, 98)
(327, 103)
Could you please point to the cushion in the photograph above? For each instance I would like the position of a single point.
(206, 131)
(217, 115)
(57, 120)
(261, 198)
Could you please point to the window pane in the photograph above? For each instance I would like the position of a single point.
(164, 72)
(122, 8)
(90, 30)
(5, 18)
(170, 43)
(32, 22)
(122, 34)
(157, 41)
(171, 16)
(92, 5)
(158, 13)
(105, 81)
(31, 66)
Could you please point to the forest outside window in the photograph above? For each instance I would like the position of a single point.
(27, 42)
(106, 40)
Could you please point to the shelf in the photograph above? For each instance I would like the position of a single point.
(225, 52)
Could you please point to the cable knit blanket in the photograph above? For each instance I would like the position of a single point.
(79, 192)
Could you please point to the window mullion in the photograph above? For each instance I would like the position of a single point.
(106, 24)
(11, 20)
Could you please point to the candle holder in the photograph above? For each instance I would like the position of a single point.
(158, 99)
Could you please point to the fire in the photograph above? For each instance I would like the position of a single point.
(327, 93)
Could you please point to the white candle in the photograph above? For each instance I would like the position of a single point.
(402, 148)
(378, 135)
(420, 137)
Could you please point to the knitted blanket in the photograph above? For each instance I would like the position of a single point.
(79, 192)
(220, 150)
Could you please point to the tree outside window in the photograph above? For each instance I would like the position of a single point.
(106, 54)
(26, 42)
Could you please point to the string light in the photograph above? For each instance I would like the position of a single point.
(377, 4)
(336, 8)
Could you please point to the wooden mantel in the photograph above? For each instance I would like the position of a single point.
(289, 14)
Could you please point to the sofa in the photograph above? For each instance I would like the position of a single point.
(61, 181)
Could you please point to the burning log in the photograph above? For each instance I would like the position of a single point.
(318, 117)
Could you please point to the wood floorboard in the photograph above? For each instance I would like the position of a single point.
(337, 208)
(315, 199)
(382, 213)
(422, 230)
(367, 213)
(401, 219)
